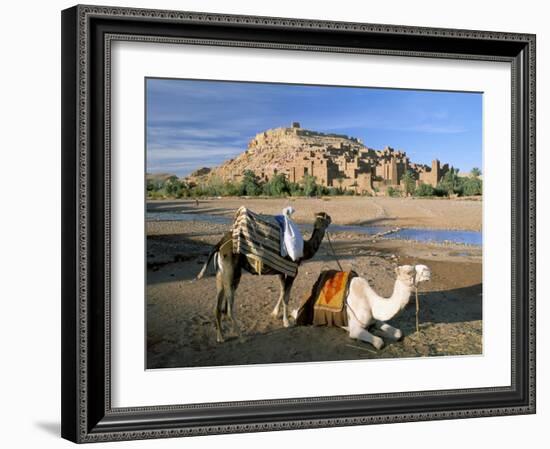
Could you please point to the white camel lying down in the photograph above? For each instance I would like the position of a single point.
(366, 308)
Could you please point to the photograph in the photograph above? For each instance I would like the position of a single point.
(307, 223)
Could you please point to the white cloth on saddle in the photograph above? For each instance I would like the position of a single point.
(292, 242)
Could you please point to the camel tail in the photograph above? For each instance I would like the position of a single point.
(214, 255)
(205, 266)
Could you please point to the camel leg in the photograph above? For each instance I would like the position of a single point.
(220, 297)
(288, 281)
(389, 331)
(230, 312)
(358, 333)
(225, 287)
(230, 286)
(275, 311)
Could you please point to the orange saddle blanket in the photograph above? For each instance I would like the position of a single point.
(324, 305)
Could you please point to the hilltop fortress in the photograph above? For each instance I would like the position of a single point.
(335, 160)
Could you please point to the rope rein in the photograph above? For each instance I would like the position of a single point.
(334, 252)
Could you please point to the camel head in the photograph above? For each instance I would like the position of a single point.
(406, 274)
(322, 220)
(412, 275)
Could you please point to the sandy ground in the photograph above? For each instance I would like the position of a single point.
(439, 213)
(180, 325)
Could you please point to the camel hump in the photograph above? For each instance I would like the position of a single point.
(241, 210)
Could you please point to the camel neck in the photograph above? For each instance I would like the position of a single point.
(401, 294)
(312, 245)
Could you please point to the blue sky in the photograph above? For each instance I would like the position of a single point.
(191, 124)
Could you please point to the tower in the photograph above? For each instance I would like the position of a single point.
(393, 171)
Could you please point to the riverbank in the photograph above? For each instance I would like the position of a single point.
(435, 213)
(180, 326)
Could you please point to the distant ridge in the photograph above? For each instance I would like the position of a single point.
(159, 177)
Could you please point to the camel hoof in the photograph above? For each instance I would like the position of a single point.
(286, 323)
(219, 339)
(378, 343)
(275, 313)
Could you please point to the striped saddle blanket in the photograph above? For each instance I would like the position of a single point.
(258, 237)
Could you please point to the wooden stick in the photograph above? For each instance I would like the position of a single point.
(417, 307)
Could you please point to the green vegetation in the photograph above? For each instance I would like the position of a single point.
(424, 190)
(409, 183)
(450, 182)
(310, 185)
(279, 186)
(393, 192)
(472, 186)
(462, 185)
(250, 185)
(475, 172)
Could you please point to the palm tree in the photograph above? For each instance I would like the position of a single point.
(475, 172)
(450, 181)
(409, 183)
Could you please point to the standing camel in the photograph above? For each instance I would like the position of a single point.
(229, 268)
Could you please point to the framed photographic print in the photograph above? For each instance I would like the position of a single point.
(285, 223)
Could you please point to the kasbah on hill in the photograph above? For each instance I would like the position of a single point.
(335, 160)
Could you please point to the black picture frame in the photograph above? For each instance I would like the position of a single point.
(87, 31)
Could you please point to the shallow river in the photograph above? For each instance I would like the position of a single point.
(418, 234)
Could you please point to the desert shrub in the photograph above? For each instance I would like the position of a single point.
(438, 191)
(295, 189)
(156, 195)
(472, 186)
(172, 186)
(322, 190)
(214, 186)
(150, 186)
(393, 192)
(277, 186)
(250, 184)
(309, 185)
(231, 189)
(424, 190)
